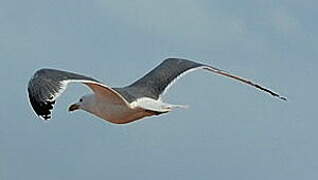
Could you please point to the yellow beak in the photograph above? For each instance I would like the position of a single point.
(73, 107)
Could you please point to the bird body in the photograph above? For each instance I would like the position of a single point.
(119, 113)
(123, 105)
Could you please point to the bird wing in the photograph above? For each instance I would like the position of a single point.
(102, 91)
(243, 80)
(157, 81)
(47, 85)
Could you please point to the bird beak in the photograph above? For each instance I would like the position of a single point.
(73, 107)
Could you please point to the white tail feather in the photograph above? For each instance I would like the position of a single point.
(154, 105)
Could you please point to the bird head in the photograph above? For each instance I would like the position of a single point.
(83, 103)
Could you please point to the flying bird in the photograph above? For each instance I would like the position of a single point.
(120, 105)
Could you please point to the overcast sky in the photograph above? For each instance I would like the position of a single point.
(230, 131)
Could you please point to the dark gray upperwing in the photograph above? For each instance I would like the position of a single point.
(46, 85)
(156, 81)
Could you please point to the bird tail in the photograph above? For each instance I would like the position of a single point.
(175, 106)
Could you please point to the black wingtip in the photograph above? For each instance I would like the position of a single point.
(42, 109)
(46, 117)
(283, 98)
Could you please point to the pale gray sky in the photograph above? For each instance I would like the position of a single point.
(230, 131)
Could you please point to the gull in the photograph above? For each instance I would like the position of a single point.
(123, 105)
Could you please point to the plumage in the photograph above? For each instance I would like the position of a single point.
(120, 105)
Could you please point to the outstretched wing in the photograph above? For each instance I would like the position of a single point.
(47, 84)
(243, 80)
(157, 81)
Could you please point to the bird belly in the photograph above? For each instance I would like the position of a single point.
(119, 113)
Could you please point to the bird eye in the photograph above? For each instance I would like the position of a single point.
(81, 100)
